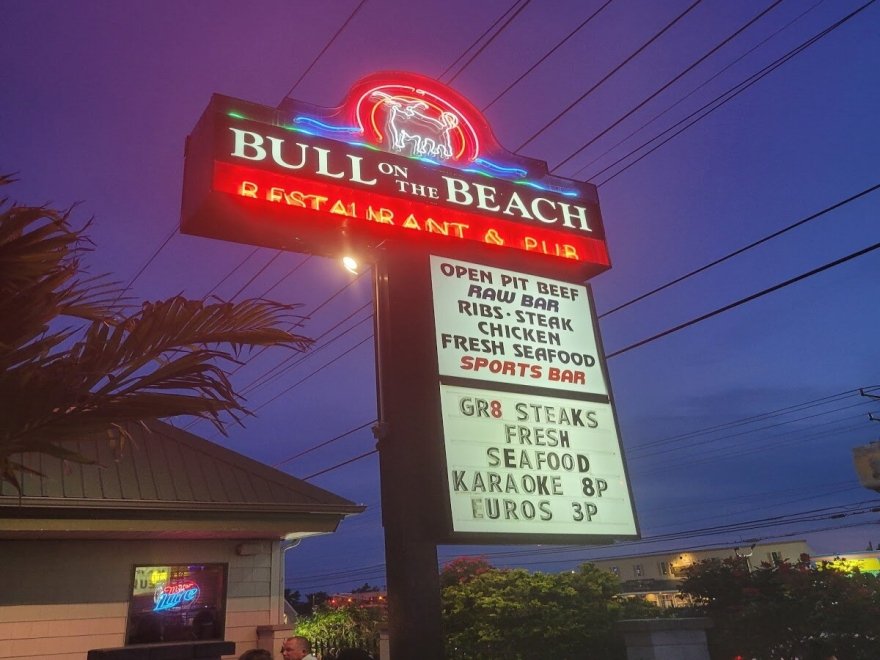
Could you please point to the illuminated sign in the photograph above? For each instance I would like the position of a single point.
(176, 594)
(526, 464)
(850, 565)
(176, 602)
(403, 158)
(530, 437)
(504, 327)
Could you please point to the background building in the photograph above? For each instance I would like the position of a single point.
(656, 577)
(88, 549)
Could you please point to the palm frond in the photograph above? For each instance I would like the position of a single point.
(110, 367)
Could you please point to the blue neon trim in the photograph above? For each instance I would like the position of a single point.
(326, 127)
(567, 193)
(472, 170)
(517, 171)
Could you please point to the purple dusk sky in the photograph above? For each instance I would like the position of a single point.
(99, 97)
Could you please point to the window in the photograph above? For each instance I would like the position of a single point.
(775, 557)
(616, 570)
(664, 568)
(179, 602)
(637, 570)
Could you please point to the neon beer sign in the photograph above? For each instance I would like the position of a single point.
(182, 593)
(403, 158)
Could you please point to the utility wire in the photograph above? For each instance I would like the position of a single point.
(480, 50)
(745, 248)
(146, 264)
(289, 92)
(753, 418)
(645, 341)
(231, 272)
(374, 573)
(326, 302)
(323, 50)
(546, 56)
(478, 40)
(722, 99)
(720, 453)
(656, 451)
(323, 444)
(754, 444)
(256, 275)
(671, 82)
(732, 63)
(609, 74)
(351, 460)
(285, 365)
(815, 515)
(742, 301)
(305, 378)
(747, 420)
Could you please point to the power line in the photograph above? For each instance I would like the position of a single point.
(752, 418)
(323, 444)
(546, 55)
(339, 465)
(478, 39)
(323, 50)
(326, 302)
(610, 73)
(813, 515)
(288, 274)
(719, 453)
(722, 99)
(256, 275)
(762, 416)
(231, 272)
(698, 87)
(745, 248)
(305, 378)
(742, 301)
(489, 41)
(377, 572)
(284, 365)
(146, 264)
(656, 451)
(671, 82)
(297, 82)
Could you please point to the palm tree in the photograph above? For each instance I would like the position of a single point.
(76, 360)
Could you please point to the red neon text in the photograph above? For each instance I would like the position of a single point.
(327, 200)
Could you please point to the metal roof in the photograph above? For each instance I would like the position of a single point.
(171, 477)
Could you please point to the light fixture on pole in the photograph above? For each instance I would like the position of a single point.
(350, 264)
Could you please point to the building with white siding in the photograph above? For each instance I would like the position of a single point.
(87, 550)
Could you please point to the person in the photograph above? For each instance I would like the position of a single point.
(297, 648)
(256, 654)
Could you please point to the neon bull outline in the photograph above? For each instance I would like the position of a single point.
(407, 126)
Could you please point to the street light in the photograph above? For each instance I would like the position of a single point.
(350, 264)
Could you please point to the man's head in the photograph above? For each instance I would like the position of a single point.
(295, 648)
(256, 654)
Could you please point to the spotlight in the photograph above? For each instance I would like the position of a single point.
(350, 264)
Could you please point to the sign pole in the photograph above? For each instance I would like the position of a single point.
(407, 468)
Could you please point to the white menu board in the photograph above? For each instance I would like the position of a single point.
(530, 437)
(524, 464)
(502, 326)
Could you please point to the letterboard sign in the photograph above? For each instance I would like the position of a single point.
(530, 436)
